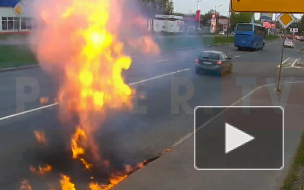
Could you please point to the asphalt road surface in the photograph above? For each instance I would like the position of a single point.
(159, 121)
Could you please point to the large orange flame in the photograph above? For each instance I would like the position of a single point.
(66, 184)
(81, 39)
(76, 148)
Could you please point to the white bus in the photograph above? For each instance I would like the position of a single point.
(167, 23)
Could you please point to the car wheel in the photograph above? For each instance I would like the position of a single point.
(239, 48)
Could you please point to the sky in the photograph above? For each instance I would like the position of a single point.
(190, 6)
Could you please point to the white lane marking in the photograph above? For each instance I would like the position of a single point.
(294, 67)
(296, 61)
(164, 60)
(21, 67)
(299, 60)
(284, 61)
(237, 56)
(55, 104)
(28, 111)
(157, 77)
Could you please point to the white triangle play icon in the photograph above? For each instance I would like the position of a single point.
(235, 138)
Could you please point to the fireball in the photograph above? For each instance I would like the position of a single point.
(80, 40)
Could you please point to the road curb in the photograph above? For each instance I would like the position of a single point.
(18, 68)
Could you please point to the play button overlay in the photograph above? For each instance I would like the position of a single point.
(239, 138)
(235, 138)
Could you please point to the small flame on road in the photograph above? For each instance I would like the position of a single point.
(40, 137)
(66, 184)
(25, 185)
(114, 180)
(78, 136)
(86, 164)
(41, 170)
(44, 100)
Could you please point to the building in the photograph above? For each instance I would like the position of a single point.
(12, 22)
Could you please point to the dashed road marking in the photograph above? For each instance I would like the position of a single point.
(164, 60)
(55, 104)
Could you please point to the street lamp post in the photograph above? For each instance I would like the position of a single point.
(216, 17)
(229, 15)
(217, 6)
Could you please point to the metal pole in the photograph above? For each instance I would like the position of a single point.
(198, 4)
(252, 18)
(228, 24)
(281, 64)
(19, 24)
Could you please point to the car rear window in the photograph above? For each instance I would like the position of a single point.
(244, 27)
(207, 55)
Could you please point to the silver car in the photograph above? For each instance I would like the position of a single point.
(288, 43)
(213, 61)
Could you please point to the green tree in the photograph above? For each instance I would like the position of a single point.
(165, 6)
(157, 6)
(239, 18)
(302, 20)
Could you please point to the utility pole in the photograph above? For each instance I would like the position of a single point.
(229, 15)
(198, 1)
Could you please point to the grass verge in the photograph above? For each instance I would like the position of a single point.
(294, 179)
(16, 55)
(191, 42)
(301, 50)
(272, 37)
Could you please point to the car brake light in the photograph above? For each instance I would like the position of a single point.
(197, 61)
(219, 62)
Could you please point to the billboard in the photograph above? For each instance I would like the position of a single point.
(213, 23)
(295, 30)
(269, 25)
(266, 17)
(223, 21)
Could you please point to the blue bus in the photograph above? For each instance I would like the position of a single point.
(248, 35)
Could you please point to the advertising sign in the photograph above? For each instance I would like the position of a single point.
(295, 30)
(198, 15)
(266, 17)
(223, 21)
(213, 23)
(269, 25)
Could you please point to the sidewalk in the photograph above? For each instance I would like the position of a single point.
(175, 169)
